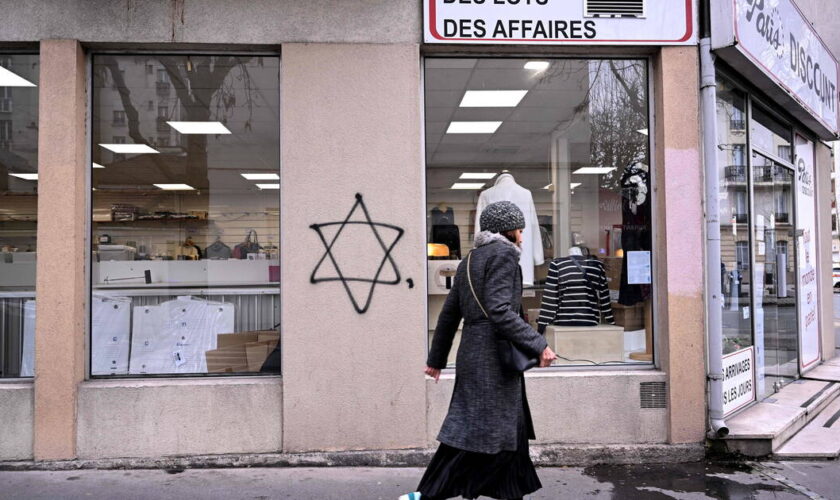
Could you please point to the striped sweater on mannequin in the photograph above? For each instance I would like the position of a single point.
(575, 296)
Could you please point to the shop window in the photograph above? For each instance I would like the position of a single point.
(769, 135)
(734, 216)
(567, 141)
(185, 254)
(18, 212)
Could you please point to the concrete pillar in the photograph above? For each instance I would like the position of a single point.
(351, 124)
(62, 214)
(680, 243)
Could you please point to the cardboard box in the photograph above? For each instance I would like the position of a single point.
(257, 352)
(227, 359)
(630, 317)
(612, 265)
(241, 352)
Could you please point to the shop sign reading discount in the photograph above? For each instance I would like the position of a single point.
(738, 380)
(560, 22)
(781, 42)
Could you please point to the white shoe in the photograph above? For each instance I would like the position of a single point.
(414, 495)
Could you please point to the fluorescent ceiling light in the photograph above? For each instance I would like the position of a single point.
(176, 187)
(96, 165)
(477, 175)
(537, 65)
(268, 186)
(26, 177)
(129, 148)
(574, 185)
(594, 170)
(492, 98)
(9, 79)
(473, 127)
(643, 131)
(199, 127)
(261, 177)
(467, 185)
(549, 186)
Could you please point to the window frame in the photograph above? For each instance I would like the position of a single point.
(89, 228)
(460, 52)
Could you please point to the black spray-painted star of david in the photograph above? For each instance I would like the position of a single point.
(386, 259)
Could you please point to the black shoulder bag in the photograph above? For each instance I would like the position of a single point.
(511, 357)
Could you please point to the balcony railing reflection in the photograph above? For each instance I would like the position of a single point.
(736, 173)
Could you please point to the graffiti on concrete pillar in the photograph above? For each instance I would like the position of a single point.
(383, 236)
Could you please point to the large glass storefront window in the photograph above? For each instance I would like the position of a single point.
(567, 141)
(186, 209)
(758, 237)
(18, 212)
(734, 217)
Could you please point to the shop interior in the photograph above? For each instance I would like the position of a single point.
(567, 141)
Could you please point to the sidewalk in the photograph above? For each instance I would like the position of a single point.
(794, 480)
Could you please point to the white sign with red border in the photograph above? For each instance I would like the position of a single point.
(738, 380)
(556, 22)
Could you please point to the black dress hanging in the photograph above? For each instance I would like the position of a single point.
(635, 229)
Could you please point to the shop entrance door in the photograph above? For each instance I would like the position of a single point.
(775, 319)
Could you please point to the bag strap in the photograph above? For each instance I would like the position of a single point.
(580, 268)
(469, 279)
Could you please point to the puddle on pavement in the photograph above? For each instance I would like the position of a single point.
(654, 481)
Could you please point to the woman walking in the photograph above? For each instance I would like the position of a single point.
(484, 438)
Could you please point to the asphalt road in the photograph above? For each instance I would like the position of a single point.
(791, 480)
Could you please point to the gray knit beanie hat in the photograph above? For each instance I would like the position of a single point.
(500, 217)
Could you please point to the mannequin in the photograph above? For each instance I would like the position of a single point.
(576, 293)
(506, 189)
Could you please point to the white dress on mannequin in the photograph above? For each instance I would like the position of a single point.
(506, 189)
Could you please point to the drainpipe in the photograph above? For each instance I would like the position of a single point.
(714, 295)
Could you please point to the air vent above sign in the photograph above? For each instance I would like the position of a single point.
(614, 8)
(560, 22)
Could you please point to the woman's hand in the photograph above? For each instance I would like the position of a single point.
(547, 357)
(433, 372)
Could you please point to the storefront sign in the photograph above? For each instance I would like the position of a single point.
(738, 380)
(560, 22)
(775, 37)
(806, 272)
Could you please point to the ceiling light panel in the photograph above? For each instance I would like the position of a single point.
(211, 128)
(175, 187)
(9, 79)
(129, 148)
(492, 98)
(261, 177)
(268, 186)
(468, 185)
(96, 165)
(477, 175)
(537, 65)
(488, 127)
(27, 177)
(594, 170)
(574, 185)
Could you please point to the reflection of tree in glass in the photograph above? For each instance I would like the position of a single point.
(615, 104)
(618, 117)
(204, 93)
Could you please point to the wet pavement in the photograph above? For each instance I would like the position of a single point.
(695, 481)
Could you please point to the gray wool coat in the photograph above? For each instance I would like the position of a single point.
(489, 408)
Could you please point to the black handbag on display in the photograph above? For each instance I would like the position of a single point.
(510, 356)
(242, 250)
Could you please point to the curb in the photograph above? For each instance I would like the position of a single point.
(543, 455)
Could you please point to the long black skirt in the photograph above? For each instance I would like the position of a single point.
(506, 474)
